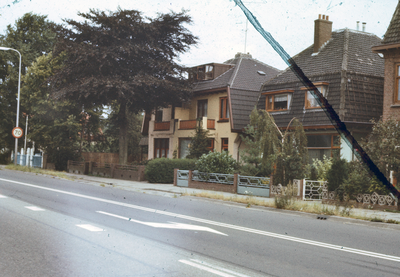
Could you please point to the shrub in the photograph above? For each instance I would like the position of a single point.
(322, 167)
(358, 179)
(216, 162)
(162, 170)
(337, 174)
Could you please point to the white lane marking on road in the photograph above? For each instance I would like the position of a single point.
(170, 225)
(90, 228)
(230, 226)
(34, 208)
(208, 269)
(3, 196)
(219, 268)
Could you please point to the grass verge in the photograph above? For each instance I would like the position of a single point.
(293, 205)
(39, 171)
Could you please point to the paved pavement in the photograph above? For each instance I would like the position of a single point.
(170, 190)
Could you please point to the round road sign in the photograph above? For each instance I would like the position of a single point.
(17, 132)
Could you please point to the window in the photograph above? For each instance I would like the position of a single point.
(204, 72)
(223, 108)
(323, 145)
(278, 100)
(161, 148)
(397, 91)
(184, 147)
(224, 144)
(159, 116)
(210, 145)
(201, 108)
(310, 101)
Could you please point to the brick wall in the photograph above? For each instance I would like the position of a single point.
(389, 109)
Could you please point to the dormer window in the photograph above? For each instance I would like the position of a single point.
(276, 101)
(310, 101)
(204, 72)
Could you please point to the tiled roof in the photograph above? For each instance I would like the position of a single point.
(347, 50)
(221, 81)
(353, 71)
(392, 34)
(244, 80)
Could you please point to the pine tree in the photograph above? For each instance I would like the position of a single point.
(199, 143)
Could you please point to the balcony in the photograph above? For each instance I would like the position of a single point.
(162, 126)
(191, 124)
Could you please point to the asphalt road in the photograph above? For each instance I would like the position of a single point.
(55, 227)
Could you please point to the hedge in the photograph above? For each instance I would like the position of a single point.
(162, 170)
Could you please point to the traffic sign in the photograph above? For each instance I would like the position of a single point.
(17, 132)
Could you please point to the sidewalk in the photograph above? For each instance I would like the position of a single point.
(170, 190)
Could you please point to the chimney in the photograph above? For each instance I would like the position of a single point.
(322, 31)
(358, 25)
(363, 26)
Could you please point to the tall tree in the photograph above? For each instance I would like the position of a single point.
(126, 58)
(54, 125)
(32, 37)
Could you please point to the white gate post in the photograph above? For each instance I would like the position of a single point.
(21, 160)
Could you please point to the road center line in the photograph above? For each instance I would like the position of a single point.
(215, 223)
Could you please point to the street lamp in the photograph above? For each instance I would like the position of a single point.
(19, 87)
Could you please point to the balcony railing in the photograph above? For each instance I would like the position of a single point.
(191, 124)
(162, 126)
(187, 124)
(210, 123)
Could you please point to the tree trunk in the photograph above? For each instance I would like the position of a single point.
(123, 135)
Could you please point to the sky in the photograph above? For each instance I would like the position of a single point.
(220, 25)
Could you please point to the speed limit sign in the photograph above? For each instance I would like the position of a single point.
(17, 132)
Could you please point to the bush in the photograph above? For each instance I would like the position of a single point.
(337, 174)
(322, 167)
(162, 170)
(358, 179)
(216, 162)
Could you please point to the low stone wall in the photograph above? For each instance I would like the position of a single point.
(212, 186)
(77, 167)
(124, 172)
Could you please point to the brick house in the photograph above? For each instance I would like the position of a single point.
(390, 48)
(224, 95)
(342, 66)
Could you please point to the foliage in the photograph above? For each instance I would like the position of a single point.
(322, 167)
(162, 170)
(32, 37)
(199, 143)
(216, 162)
(313, 172)
(337, 174)
(294, 154)
(383, 146)
(358, 179)
(261, 139)
(124, 58)
(54, 125)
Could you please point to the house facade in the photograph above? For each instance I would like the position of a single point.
(349, 75)
(390, 48)
(224, 95)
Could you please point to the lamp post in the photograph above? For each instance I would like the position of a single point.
(19, 87)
